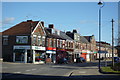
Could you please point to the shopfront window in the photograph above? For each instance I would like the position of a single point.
(39, 56)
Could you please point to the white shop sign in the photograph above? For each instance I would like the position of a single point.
(52, 52)
(21, 47)
(38, 48)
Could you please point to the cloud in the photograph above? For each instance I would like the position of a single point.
(8, 20)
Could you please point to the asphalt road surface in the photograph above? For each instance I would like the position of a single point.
(74, 71)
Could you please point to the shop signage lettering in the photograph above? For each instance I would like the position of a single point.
(21, 47)
(38, 48)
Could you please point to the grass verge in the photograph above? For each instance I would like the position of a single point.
(108, 69)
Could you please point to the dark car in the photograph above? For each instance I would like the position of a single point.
(80, 60)
(63, 60)
(116, 59)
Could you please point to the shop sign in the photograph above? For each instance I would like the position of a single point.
(50, 48)
(38, 48)
(52, 52)
(54, 49)
(61, 49)
(21, 47)
(69, 50)
(84, 51)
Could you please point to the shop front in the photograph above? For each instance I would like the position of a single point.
(21, 54)
(50, 55)
(70, 55)
(39, 54)
(28, 54)
(77, 53)
(86, 54)
(61, 53)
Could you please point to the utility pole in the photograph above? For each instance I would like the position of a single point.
(112, 42)
(105, 54)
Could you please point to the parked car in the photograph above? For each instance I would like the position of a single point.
(116, 59)
(80, 60)
(63, 60)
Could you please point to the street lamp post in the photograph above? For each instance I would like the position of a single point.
(101, 5)
(112, 43)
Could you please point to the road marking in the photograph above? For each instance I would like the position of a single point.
(34, 69)
(82, 72)
(16, 72)
(28, 70)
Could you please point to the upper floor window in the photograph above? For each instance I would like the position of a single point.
(54, 42)
(5, 40)
(50, 42)
(34, 40)
(22, 39)
(39, 40)
(43, 40)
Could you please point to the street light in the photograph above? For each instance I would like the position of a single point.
(101, 5)
(112, 42)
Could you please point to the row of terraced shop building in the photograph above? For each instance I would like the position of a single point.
(32, 42)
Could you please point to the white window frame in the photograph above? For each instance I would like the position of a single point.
(21, 40)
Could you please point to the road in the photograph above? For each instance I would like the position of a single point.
(84, 71)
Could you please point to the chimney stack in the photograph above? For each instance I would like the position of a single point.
(51, 26)
(74, 31)
(42, 23)
(29, 20)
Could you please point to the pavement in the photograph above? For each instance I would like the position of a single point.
(74, 71)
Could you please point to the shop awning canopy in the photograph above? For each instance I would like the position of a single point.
(102, 51)
(19, 50)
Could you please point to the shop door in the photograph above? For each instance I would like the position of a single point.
(19, 57)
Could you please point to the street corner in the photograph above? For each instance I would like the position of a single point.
(77, 73)
(85, 72)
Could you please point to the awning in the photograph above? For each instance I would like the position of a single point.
(102, 52)
(95, 52)
(19, 50)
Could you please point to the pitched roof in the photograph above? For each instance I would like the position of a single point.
(64, 36)
(23, 28)
(88, 38)
(83, 39)
(51, 35)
